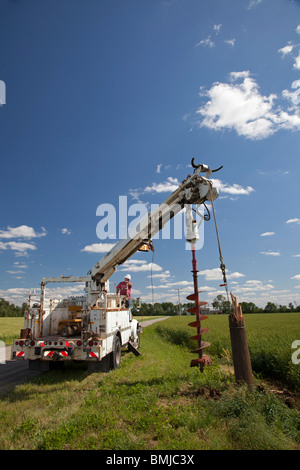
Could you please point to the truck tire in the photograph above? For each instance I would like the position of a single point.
(116, 353)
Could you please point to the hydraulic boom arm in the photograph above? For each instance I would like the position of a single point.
(194, 189)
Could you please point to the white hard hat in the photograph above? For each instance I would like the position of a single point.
(128, 276)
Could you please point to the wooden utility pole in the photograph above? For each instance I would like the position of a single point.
(239, 345)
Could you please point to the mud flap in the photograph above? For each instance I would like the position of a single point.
(102, 366)
(44, 366)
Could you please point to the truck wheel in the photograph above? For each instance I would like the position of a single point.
(116, 353)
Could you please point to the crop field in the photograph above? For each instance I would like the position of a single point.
(10, 328)
(270, 338)
(158, 402)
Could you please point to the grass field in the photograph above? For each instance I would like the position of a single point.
(156, 401)
(270, 338)
(10, 328)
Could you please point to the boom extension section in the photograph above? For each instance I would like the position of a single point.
(194, 189)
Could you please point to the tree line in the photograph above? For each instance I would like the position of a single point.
(11, 310)
(220, 305)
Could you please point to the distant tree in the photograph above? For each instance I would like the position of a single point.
(283, 308)
(291, 307)
(217, 303)
(249, 307)
(186, 307)
(161, 309)
(169, 308)
(270, 308)
(220, 303)
(158, 309)
(10, 310)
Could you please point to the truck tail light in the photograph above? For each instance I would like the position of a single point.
(21, 343)
(91, 343)
(79, 343)
(32, 343)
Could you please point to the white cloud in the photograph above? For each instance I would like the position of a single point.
(98, 247)
(15, 272)
(170, 285)
(253, 285)
(267, 234)
(163, 276)
(20, 248)
(158, 168)
(217, 28)
(273, 172)
(205, 43)
(65, 231)
(239, 106)
(135, 194)
(270, 253)
(235, 275)
(293, 96)
(215, 274)
(295, 256)
(286, 50)
(235, 189)
(297, 276)
(297, 62)
(293, 221)
(298, 29)
(20, 265)
(23, 231)
(253, 3)
(230, 42)
(169, 185)
(139, 266)
(166, 186)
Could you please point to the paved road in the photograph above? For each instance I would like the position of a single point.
(15, 372)
(154, 320)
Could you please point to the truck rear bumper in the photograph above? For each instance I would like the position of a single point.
(58, 350)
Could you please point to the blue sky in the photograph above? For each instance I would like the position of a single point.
(114, 98)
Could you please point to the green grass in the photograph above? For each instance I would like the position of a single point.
(10, 328)
(270, 337)
(155, 401)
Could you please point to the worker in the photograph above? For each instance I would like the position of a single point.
(124, 288)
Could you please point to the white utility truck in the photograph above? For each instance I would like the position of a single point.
(95, 327)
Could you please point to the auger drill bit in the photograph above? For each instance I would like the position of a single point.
(202, 359)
